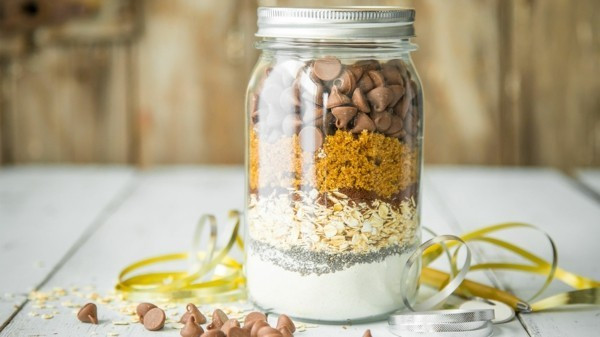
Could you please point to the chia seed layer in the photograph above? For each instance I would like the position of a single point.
(305, 262)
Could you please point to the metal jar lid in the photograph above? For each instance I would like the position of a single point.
(336, 23)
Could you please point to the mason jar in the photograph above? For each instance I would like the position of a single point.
(334, 156)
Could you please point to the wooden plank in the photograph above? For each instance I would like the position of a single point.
(478, 197)
(159, 217)
(44, 211)
(590, 178)
(68, 104)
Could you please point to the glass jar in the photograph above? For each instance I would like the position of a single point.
(334, 135)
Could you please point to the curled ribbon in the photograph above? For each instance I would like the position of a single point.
(587, 290)
(213, 275)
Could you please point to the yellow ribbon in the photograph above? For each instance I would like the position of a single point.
(214, 276)
(226, 284)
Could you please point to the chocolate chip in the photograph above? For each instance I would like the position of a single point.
(345, 82)
(377, 78)
(396, 126)
(268, 331)
(285, 332)
(154, 319)
(311, 138)
(398, 111)
(380, 98)
(400, 134)
(406, 100)
(213, 333)
(257, 325)
(357, 71)
(218, 319)
(382, 120)
(255, 316)
(360, 101)
(291, 124)
(410, 124)
(367, 333)
(369, 64)
(398, 92)
(286, 321)
(88, 313)
(191, 328)
(365, 84)
(327, 68)
(343, 115)
(363, 122)
(231, 323)
(322, 122)
(238, 332)
(391, 73)
(336, 98)
(192, 310)
(142, 309)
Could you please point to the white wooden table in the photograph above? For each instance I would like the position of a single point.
(78, 226)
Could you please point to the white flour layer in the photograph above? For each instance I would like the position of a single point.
(355, 293)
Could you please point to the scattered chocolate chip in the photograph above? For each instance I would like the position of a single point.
(327, 68)
(336, 98)
(213, 333)
(257, 326)
(192, 310)
(382, 120)
(286, 321)
(154, 319)
(343, 115)
(88, 313)
(360, 101)
(311, 138)
(268, 331)
(380, 98)
(231, 323)
(345, 82)
(218, 319)
(365, 84)
(238, 332)
(396, 126)
(285, 332)
(377, 78)
(367, 333)
(191, 328)
(255, 316)
(363, 122)
(291, 124)
(398, 92)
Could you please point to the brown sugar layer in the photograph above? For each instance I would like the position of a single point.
(368, 161)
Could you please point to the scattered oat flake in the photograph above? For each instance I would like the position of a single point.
(33, 314)
(120, 323)
(47, 316)
(112, 334)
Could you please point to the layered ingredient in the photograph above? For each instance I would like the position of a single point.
(334, 165)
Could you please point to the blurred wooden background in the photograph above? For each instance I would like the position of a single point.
(146, 82)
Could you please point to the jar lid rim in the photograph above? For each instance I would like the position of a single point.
(356, 22)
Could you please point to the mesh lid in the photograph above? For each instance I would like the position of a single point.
(336, 23)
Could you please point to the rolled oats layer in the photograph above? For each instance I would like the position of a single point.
(330, 222)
